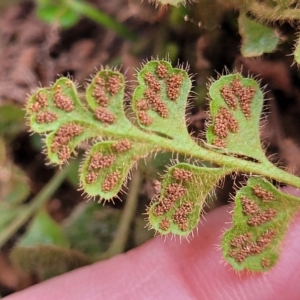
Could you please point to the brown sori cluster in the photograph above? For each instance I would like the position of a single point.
(262, 217)
(64, 153)
(249, 206)
(181, 174)
(174, 82)
(46, 117)
(113, 84)
(219, 143)
(224, 122)
(152, 82)
(161, 71)
(229, 97)
(91, 177)
(156, 103)
(122, 145)
(244, 93)
(174, 191)
(262, 193)
(40, 102)
(164, 224)
(104, 115)
(163, 206)
(64, 134)
(100, 161)
(256, 217)
(245, 247)
(61, 101)
(142, 104)
(144, 118)
(110, 181)
(241, 239)
(99, 94)
(181, 215)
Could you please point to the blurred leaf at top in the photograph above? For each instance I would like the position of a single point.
(256, 38)
(66, 13)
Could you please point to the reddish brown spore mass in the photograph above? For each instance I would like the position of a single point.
(244, 246)
(181, 174)
(64, 153)
(241, 239)
(113, 84)
(100, 161)
(249, 206)
(181, 215)
(175, 191)
(91, 177)
(229, 97)
(245, 95)
(110, 181)
(262, 193)
(122, 145)
(162, 71)
(100, 81)
(65, 133)
(219, 143)
(61, 101)
(40, 102)
(235, 91)
(99, 94)
(164, 224)
(152, 82)
(144, 118)
(224, 122)
(262, 217)
(46, 117)
(104, 115)
(142, 104)
(174, 82)
(156, 103)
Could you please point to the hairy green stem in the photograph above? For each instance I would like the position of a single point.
(189, 147)
(261, 11)
(35, 204)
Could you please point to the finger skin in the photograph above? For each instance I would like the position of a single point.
(178, 270)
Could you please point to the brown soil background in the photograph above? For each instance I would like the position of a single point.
(34, 54)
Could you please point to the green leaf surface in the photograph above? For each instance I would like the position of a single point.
(184, 190)
(260, 219)
(43, 230)
(235, 110)
(91, 228)
(107, 166)
(57, 11)
(256, 38)
(160, 99)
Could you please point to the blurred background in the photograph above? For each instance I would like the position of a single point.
(46, 226)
